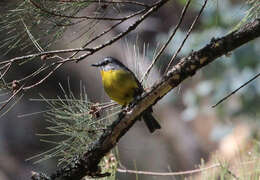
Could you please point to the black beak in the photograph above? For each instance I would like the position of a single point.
(96, 64)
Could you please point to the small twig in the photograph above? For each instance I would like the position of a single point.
(36, 44)
(59, 24)
(96, 108)
(103, 107)
(6, 70)
(168, 41)
(184, 172)
(108, 2)
(186, 37)
(43, 79)
(44, 53)
(35, 73)
(233, 92)
(11, 97)
(75, 17)
(4, 66)
(168, 173)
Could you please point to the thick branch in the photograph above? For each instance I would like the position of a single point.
(88, 164)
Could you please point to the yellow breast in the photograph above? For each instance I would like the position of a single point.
(120, 85)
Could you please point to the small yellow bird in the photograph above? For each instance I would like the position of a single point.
(122, 86)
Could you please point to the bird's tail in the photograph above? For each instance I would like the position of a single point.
(150, 121)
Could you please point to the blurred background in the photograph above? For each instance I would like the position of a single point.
(193, 133)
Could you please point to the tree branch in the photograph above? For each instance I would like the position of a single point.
(188, 66)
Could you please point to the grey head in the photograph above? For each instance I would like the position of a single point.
(110, 63)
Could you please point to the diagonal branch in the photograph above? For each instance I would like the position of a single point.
(234, 92)
(188, 66)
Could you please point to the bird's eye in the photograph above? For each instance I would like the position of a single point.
(106, 62)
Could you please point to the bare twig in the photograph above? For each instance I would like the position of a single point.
(35, 73)
(108, 2)
(76, 17)
(32, 38)
(11, 97)
(187, 35)
(54, 52)
(233, 92)
(6, 70)
(168, 173)
(180, 173)
(43, 79)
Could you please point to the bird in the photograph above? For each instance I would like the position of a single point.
(122, 86)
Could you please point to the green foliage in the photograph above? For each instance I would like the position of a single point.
(109, 164)
(252, 13)
(47, 23)
(245, 165)
(75, 123)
